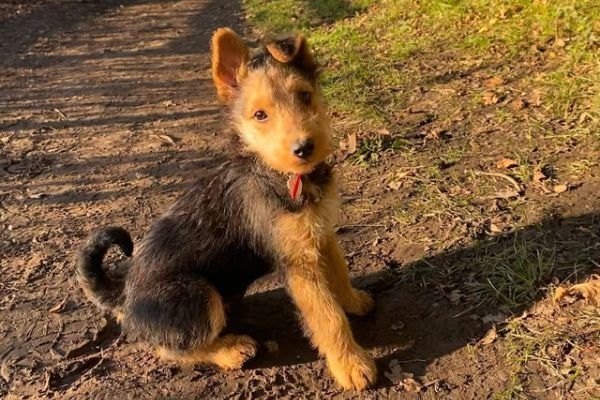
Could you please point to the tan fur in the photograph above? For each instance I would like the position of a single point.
(228, 55)
(316, 271)
(306, 247)
(353, 301)
(287, 121)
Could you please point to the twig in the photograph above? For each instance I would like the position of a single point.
(60, 113)
(512, 181)
(413, 360)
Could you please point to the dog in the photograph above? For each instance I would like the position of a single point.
(270, 208)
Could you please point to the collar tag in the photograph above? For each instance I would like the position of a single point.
(294, 184)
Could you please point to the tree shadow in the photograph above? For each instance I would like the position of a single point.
(415, 319)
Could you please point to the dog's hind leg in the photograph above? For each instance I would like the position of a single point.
(227, 352)
(184, 318)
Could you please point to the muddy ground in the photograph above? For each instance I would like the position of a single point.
(106, 112)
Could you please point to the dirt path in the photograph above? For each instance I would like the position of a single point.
(106, 110)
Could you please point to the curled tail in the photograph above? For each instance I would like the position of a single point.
(105, 290)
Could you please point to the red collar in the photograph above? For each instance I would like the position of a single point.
(294, 184)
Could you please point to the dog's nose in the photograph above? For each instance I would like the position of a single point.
(303, 148)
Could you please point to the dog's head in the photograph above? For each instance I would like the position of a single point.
(274, 99)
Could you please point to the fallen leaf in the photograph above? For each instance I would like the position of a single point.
(518, 104)
(395, 374)
(411, 385)
(352, 143)
(490, 337)
(560, 188)
(403, 379)
(505, 163)
(490, 98)
(495, 228)
(535, 98)
(343, 145)
(395, 185)
(493, 82)
(37, 195)
(168, 103)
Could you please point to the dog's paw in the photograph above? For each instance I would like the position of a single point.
(359, 303)
(236, 351)
(354, 371)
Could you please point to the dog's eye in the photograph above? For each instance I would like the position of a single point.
(305, 97)
(260, 115)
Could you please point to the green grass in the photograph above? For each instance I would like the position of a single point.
(370, 48)
(381, 55)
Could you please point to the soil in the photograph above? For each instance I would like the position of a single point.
(107, 109)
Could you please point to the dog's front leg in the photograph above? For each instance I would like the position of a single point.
(352, 300)
(324, 319)
(328, 328)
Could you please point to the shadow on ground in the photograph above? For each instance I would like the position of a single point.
(413, 314)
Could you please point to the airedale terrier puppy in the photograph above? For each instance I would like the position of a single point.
(271, 208)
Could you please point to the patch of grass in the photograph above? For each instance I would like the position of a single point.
(370, 149)
(514, 277)
(553, 343)
(369, 47)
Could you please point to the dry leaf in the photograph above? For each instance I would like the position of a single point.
(505, 163)
(395, 185)
(490, 98)
(37, 195)
(518, 104)
(535, 98)
(411, 385)
(495, 228)
(383, 132)
(403, 379)
(343, 145)
(493, 82)
(490, 337)
(589, 290)
(168, 103)
(352, 144)
(395, 374)
(560, 188)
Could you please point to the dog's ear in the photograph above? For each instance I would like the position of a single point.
(229, 57)
(293, 49)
